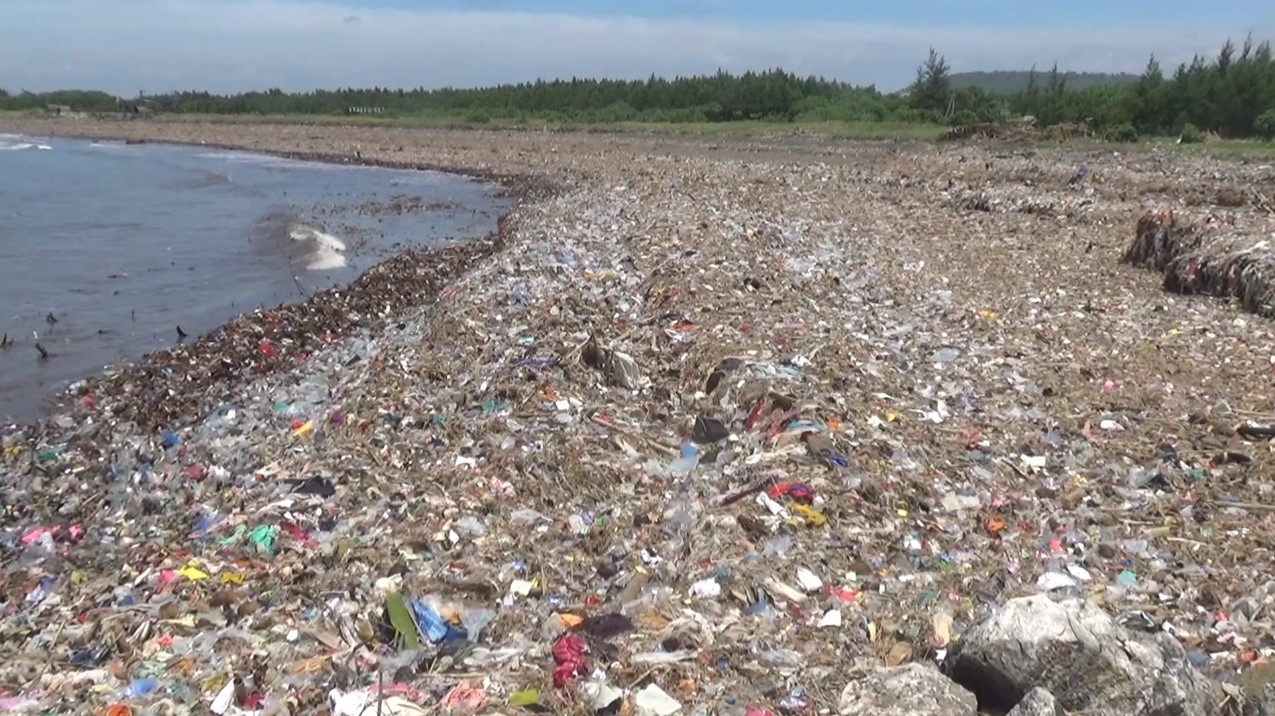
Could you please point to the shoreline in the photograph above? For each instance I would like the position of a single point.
(399, 275)
(782, 416)
(519, 185)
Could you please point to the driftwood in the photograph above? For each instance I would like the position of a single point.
(984, 130)
(1016, 131)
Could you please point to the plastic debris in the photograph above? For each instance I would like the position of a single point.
(653, 701)
(603, 451)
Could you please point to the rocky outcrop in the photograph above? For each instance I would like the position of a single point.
(911, 690)
(1079, 654)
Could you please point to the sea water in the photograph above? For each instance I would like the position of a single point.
(106, 248)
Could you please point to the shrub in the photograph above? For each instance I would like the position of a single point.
(1190, 134)
(1122, 133)
(1265, 124)
(616, 112)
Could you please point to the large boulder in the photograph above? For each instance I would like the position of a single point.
(1078, 653)
(911, 690)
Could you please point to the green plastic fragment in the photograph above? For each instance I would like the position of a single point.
(525, 697)
(401, 619)
(234, 537)
(264, 537)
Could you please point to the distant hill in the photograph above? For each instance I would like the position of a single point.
(1011, 81)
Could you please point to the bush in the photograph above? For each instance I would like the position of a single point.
(964, 117)
(616, 112)
(811, 105)
(907, 114)
(1190, 134)
(477, 116)
(1122, 133)
(1265, 125)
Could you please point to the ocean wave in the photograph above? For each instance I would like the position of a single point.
(241, 157)
(206, 179)
(325, 251)
(20, 146)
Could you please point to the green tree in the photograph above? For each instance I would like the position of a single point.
(932, 90)
(1146, 105)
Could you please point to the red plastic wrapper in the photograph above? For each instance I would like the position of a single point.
(569, 653)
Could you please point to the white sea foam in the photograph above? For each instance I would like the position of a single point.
(326, 251)
(19, 142)
(240, 157)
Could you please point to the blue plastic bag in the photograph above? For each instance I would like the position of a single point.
(432, 626)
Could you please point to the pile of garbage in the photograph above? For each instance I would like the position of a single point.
(1013, 132)
(701, 435)
(1207, 256)
(1074, 207)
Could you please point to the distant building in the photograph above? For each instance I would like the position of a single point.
(364, 110)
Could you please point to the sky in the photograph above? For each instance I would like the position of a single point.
(126, 46)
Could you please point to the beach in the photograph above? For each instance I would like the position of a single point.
(116, 250)
(751, 417)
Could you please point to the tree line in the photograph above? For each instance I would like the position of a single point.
(1232, 94)
(80, 100)
(722, 97)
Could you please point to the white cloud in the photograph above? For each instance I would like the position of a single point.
(230, 45)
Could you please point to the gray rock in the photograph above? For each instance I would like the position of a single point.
(911, 690)
(1078, 653)
(1037, 702)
